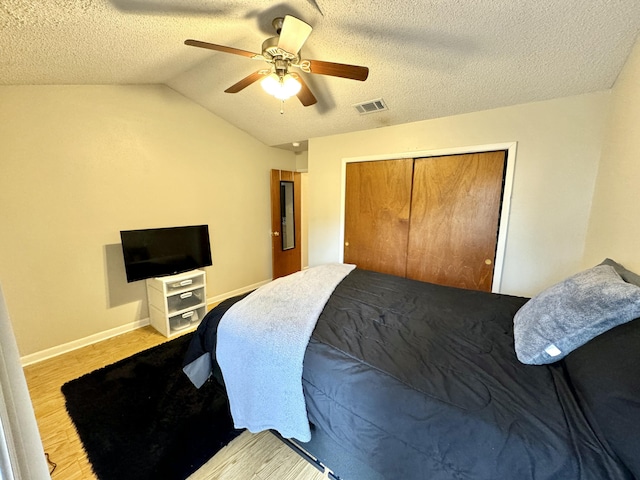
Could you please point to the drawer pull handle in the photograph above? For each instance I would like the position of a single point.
(185, 295)
(188, 314)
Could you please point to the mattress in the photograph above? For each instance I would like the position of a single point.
(421, 381)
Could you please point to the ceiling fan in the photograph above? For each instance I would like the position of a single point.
(282, 52)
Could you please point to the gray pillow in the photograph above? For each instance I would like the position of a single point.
(572, 312)
(627, 275)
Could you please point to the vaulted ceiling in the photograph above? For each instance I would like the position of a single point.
(427, 59)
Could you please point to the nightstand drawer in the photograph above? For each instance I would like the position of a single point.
(184, 284)
(184, 300)
(186, 319)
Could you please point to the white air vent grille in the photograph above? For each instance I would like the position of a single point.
(371, 106)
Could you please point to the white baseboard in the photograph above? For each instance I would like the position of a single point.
(239, 291)
(82, 342)
(98, 337)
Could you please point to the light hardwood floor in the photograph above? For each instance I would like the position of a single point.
(248, 457)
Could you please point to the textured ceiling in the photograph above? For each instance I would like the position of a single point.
(427, 59)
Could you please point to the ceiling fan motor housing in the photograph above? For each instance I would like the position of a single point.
(271, 51)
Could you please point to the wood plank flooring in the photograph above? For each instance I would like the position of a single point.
(248, 457)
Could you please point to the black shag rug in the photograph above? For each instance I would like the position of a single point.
(141, 418)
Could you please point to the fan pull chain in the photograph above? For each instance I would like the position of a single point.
(281, 107)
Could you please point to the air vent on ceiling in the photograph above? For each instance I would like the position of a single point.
(371, 106)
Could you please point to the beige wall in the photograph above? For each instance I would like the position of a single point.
(80, 163)
(558, 149)
(614, 230)
(302, 161)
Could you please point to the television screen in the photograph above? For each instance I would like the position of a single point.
(157, 252)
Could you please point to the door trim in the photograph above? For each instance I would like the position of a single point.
(510, 148)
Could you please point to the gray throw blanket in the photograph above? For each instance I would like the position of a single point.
(261, 345)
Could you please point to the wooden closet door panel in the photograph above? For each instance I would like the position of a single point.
(455, 215)
(377, 208)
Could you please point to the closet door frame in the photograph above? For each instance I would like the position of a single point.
(509, 147)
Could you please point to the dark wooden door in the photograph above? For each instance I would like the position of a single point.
(285, 230)
(377, 208)
(455, 215)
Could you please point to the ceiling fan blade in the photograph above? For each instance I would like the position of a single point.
(246, 81)
(293, 34)
(353, 72)
(304, 95)
(220, 48)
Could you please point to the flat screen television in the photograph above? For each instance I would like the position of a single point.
(157, 252)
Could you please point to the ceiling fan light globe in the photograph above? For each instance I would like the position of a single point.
(290, 86)
(270, 84)
(283, 88)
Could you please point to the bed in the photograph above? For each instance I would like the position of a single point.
(413, 380)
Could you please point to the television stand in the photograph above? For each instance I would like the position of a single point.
(177, 302)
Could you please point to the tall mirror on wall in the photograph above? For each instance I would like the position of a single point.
(287, 215)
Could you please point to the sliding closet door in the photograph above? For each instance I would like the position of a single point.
(377, 208)
(455, 214)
